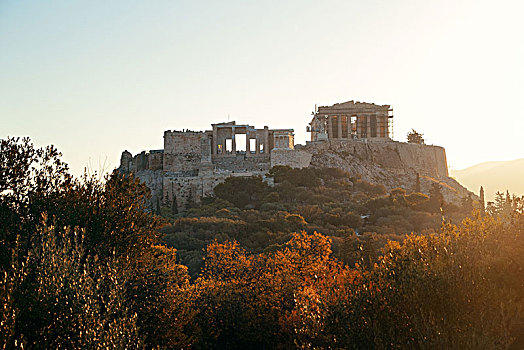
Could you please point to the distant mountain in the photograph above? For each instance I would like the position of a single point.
(494, 176)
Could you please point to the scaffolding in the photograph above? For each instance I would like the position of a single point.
(390, 123)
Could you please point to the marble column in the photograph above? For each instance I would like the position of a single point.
(330, 127)
(266, 140)
(339, 127)
(215, 144)
(368, 117)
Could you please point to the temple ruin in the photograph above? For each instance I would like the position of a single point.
(352, 120)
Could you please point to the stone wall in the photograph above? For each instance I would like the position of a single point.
(290, 157)
(240, 162)
(181, 192)
(155, 160)
(142, 161)
(154, 180)
(184, 152)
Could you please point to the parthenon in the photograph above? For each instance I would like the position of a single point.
(351, 120)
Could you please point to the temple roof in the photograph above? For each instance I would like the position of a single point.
(352, 105)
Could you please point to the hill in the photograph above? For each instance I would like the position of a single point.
(494, 176)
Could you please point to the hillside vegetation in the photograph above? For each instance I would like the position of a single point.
(320, 260)
(359, 217)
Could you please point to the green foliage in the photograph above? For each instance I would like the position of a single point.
(296, 177)
(67, 299)
(369, 188)
(243, 191)
(36, 181)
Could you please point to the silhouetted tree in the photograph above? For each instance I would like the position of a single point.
(415, 137)
(482, 201)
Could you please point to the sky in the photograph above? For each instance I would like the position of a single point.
(96, 78)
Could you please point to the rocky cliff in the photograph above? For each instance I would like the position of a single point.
(393, 164)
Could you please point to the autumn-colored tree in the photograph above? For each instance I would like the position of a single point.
(246, 301)
(452, 290)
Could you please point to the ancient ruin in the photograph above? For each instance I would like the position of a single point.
(353, 136)
(192, 163)
(350, 120)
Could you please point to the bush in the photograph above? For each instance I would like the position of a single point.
(68, 299)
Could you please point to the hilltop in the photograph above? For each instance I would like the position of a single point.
(493, 176)
(352, 136)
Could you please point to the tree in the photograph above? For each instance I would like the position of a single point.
(246, 301)
(118, 238)
(65, 298)
(482, 201)
(31, 181)
(467, 204)
(415, 137)
(243, 191)
(436, 199)
(417, 184)
(428, 292)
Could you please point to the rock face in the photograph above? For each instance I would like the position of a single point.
(393, 164)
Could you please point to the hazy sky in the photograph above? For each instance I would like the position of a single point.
(97, 77)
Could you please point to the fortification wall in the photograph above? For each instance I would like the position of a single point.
(426, 159)
(140, 162)
(179, 191)
(240, 162)
(392, 164)
(185, 152)
(290, 157)
(155, 160)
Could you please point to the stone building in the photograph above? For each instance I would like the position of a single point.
(352, 120)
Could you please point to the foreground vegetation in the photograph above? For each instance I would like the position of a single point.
(83, 265)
